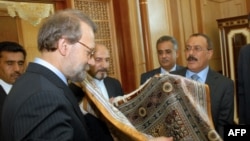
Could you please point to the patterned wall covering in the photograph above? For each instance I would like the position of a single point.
(99, 11)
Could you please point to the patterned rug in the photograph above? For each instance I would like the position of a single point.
(171, 105)
(166, 105)
(96, 104)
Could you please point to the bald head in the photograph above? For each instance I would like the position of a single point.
(99, 48)
(102, 57)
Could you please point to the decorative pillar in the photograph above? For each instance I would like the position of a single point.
(146, 34)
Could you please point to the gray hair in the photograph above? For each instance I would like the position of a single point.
(167, 38)
(65, 23)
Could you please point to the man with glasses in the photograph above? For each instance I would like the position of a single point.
(91, 50)
(198, 52)
(40, 105)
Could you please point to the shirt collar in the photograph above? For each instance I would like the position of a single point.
(163, 71)
(6, 86)
(52, 68)
(202, 74)
(100, 84)
(97, 81)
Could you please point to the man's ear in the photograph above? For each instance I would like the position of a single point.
(177, 53)
(63, 46)
(210, 55)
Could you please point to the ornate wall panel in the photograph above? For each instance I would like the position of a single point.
(100, 12)
(234, 34)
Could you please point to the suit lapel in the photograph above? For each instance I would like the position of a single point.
(182, 72)
(36, 68)
(158, 71)
(211, 78)
(3, 95)
(108, 86)
(2, 92)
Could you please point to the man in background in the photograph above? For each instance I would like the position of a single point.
(167, 52)
(244, 85)
(107, 86)
(12, 65)
(110, 87)
(198, 52)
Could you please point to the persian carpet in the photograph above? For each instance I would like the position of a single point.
(165, 105)
(119, 126)
(171, 105)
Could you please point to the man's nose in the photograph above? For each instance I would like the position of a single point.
(105, 64)
(91, 61)
(17, 67)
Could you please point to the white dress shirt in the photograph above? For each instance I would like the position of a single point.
(6, 86)
(100, 84)
(163, 71)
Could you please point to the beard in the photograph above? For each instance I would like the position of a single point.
(79, 74)
(101, 74)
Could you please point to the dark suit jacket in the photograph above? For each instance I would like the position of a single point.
(145, 76)
(113, 87)
(3, 95)
(41, 106)
(222, 98)
(244, 85)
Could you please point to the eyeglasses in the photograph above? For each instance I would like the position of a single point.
(91, 51)
(195, 48)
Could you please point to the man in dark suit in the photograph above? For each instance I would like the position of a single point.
(12, 65)
(40, 105)
(244, 85)
(167, 52)
(199, 51)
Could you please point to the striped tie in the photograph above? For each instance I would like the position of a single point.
(195, 77)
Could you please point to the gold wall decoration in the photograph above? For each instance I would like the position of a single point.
(31, 12)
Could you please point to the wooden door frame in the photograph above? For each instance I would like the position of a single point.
(124, 45)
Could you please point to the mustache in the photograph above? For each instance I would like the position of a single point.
(165, 60)
(192, 58)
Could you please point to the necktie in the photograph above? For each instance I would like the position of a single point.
(195, 77)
